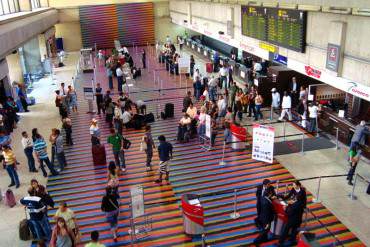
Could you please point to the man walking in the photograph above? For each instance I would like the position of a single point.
(119, 74)
(165, 154)
(10, 166)
(116, 140)
(286, 106)
(28, 151)
(41, 153)
(358, 136)
(275, 101)
(59, 150)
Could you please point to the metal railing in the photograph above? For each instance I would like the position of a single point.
(358, 177)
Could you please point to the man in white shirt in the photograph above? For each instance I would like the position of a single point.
(196, 75)
(275, 102)
(313, 111)
(126, 118)
(28, 151)
(125, 50)
(223, 76)
(120, 74)
(212, 86)
(257, 67)
(221, 104)
(191, 111)
(286, 107)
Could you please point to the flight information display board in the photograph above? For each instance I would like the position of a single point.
(282, 27)
(287, 28)
(254, 22)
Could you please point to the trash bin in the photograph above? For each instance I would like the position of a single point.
(193, 214)
(307, 239)
(238, 137)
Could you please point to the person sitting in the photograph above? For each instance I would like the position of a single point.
(192, 112)
(183, 128)
(126, 118)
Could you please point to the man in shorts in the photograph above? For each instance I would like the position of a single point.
(165, 154)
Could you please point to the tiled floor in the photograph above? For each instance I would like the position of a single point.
(354, 214)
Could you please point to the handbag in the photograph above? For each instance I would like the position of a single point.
(126, 143)
(143, 144)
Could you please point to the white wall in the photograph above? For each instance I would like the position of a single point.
(356, 63)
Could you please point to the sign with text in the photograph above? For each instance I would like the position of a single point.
(184, 64)
(137, 201)
(88, 93)
(263, 143)
(208, 126)
(333, 57)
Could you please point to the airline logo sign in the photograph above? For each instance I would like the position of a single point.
(357, 91)
(310, 71)
(332, 57)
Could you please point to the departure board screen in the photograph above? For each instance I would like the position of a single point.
(287, 28)
(282, 27)
(254, 22)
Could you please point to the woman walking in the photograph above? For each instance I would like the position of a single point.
(113, 176)
(110, 206)
(72, 95)
(62, 236)
(68, 216)
(52, 138)
(95, 132)
(147, 146)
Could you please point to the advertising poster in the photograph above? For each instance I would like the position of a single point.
(263, 143)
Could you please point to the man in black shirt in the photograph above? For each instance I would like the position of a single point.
(99, 98)
(165, 154)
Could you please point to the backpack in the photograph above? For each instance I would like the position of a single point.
(9, 198)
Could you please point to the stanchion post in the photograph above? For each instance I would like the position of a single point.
(317, 127)
(235, 214)
(336, 139)
(302, 147)
(317, 199)
(271, 112)
(284, 126)
(154, 76)
(222, 162)
(277, 186)
(352, 194)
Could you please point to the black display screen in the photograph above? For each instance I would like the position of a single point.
(282, 27)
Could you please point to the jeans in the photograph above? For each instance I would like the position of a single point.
(118, 125)
(313, 125)
(61, 160)
(351, 172)
(31, 161)
(12, 174)
(201, 132)
(224, 83)
(227, 135)
(197, 94)
(68, 131)
(41, 228)
(251, 108)
(120, 83)
(213, 93)
(258, 114)
(110, 82)
(119, 155)
(52, 154)
(49, 165)
(213, 137)
(149, 156)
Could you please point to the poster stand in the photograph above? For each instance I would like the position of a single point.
(205, 141)
(140, 223)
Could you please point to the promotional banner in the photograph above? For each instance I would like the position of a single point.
(184, 64)
(137, 201)
(263, 143)
(208, 126)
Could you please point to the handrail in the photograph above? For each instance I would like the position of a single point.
(326, 228)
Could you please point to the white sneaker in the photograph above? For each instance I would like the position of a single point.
(123, 169)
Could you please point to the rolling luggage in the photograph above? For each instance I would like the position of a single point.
(99, 155)
(149, 118)
(169, 110)
(24, 230)
(209, 67)
(9, 198)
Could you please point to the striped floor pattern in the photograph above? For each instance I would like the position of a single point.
(193, 170)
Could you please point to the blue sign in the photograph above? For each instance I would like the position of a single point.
(280, 59)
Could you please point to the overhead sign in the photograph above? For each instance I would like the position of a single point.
(280, 59)
(263, 143)
(311, 71)
(333, 57)
(137, 201)
(268, 47)
(88, 93)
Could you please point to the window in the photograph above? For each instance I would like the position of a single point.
(35, 4)
(9, 7)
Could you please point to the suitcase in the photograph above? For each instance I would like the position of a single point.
(24, 230)
(9, 198)
(169, 110)
(209, 67)
(149, 118)
(99, 155)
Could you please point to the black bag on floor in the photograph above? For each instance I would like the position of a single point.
(149, 118)
(169, 110)
(138, 121)
(24, 230)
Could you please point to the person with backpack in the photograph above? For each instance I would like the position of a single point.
(113, 176)
(165, 154)
(59, 150)
(40, 149)
(147, 145)
(110, 206)
(10, 166)
(116, 140)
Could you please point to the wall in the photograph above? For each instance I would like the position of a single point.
(356, 63)
(15, 69)
(69, 29)
(69, 26)
(14, 33)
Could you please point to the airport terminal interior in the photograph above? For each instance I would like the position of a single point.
(184, 123)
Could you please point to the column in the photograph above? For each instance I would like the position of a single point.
(25, 5)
